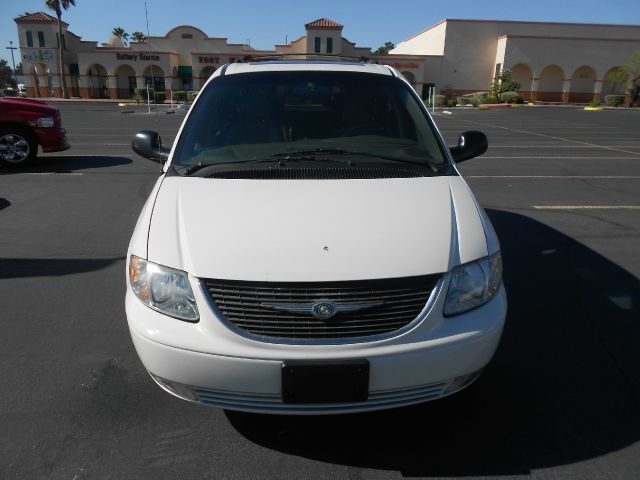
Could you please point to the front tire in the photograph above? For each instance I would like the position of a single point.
(18, 146)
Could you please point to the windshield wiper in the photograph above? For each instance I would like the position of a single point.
(286, 158)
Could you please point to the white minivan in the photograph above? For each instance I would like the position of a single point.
(311, 247)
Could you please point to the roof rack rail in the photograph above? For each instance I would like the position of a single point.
(304, 56)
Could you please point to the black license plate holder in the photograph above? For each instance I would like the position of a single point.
(341, 381)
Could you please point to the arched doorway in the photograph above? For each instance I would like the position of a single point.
(410, 78)
(583, 84)
(97, 81)
(154, 77)
(205, 74)
(125, 81)
(523, 74)
(609, 87)
(550, 87)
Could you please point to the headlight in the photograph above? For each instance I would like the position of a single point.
(162, 288)
(473, 284)
(46, 122)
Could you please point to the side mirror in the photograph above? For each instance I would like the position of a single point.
(148, 144)
(470, 144)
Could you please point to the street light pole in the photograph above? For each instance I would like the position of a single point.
(12, 48)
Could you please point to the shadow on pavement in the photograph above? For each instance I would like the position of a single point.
(50, 267)
(67, 164)
(4, 203)
(563, 387)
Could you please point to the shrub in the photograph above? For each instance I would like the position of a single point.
(179, 95)
(511, 97)
(440, 100)
(451, 102)
(489, 100)
(191, 96)
(614, 100)
(594, 103)
(140, 95)
(478, 98)
(464, 101)
(159, 97)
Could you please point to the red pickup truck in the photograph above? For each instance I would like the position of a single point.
(25, 124)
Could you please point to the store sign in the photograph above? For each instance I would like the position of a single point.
(403, 65)
(38, 56)
(134, 57)
(212, 60)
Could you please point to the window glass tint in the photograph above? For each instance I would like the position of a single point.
(255, 115)
(29, 39)
(41, 39)
(329, 45)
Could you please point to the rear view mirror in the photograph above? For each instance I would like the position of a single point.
(470, 144)
(148, 144)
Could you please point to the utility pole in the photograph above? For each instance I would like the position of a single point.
(12, 48)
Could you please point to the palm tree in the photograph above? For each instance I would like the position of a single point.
(121, 34)
(57, 6)
(138, 37)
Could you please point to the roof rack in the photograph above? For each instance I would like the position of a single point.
(304, 56)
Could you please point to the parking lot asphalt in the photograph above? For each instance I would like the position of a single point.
(561, 398)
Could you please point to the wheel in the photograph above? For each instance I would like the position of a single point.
(18, 146)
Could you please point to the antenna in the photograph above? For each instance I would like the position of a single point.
(153, 82)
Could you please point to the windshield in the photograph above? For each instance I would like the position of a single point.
(256, 116)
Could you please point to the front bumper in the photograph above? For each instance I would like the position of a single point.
(52, 139)
(433, 360)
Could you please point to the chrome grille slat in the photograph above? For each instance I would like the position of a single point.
(240, 304)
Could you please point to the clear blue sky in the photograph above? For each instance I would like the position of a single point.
(368, 23)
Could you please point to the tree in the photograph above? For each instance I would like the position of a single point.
(504, 82)
(138, 37)
(384, 50)
(19, 70)
(57, 6)
(121, 34)
(6, 75)
(627, 76)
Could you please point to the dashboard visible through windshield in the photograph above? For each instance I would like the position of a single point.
(306, 115)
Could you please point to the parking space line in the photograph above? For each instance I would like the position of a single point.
(587, 207)
(549, 136)
(69, 174)
(561, 177)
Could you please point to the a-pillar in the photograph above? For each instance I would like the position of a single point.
(597, 91)
(566, 89)
(534, 89)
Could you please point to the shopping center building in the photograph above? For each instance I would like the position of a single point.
(551, 61)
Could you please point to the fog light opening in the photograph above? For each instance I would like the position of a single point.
(174, 388)
(459, 383)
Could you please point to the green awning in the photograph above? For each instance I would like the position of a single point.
(185, 71)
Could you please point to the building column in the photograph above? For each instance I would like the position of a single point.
(566, 89)
(597, 90)
(534, 89)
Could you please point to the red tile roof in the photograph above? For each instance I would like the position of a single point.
(323, 24)
(39, 17)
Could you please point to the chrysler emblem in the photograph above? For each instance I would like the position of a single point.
(322, 309)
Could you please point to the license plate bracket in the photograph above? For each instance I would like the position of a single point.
(341, 381)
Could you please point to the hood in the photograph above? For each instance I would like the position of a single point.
(314, 230)
(26, 104)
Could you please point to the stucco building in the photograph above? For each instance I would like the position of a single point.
(551, 61)
(567, 62)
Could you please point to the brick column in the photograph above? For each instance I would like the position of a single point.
(566, 89)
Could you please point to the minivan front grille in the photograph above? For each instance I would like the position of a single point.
(390, 305)
(313, 173)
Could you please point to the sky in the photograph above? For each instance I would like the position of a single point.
(264, 23)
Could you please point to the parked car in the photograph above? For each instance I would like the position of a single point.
(25, 124)
(311, 247)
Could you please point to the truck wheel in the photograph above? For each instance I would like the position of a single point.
(18, 146)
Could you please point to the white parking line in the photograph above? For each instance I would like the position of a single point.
(587, 207)
(549, 136)
(562, 177)
(69, 174)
